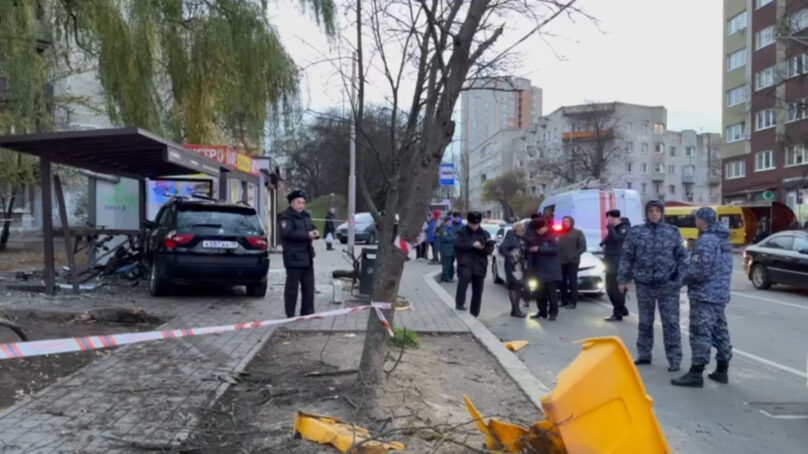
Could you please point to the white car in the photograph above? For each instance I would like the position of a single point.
(591, 272)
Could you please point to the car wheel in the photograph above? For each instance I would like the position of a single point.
(345, 241)
(760, 277)
(157, 285)
(495, 272)
(258, 290)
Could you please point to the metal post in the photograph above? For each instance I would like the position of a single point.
(352, 175)
(223, 186)
(142, 202)
(47, 224)
(71, 260)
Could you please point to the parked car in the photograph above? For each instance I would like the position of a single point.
(781, 258)
(200, 240)
(591, 272)
(366, 231)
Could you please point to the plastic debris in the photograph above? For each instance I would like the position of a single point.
(515, 346)
(344, 436)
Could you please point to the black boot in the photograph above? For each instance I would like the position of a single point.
(720, 374)
(642, 361)
(692, 379)
(515, 296)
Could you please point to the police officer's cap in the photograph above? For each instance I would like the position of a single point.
(474, 217)
(707, 214)
(296, 194)
(613, 213)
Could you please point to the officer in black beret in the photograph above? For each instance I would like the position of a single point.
(472, 246)
(297, 235)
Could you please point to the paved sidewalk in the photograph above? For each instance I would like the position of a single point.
(155, 393)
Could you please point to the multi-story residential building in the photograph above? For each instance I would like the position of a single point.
(763, 99)
(494, 113)
(628, 146)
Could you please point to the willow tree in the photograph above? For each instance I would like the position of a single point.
(209, 71)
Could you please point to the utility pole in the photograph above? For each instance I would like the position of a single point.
(352, 175)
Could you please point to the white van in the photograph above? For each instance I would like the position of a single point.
(589, 206)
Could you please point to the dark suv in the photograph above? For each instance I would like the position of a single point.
(199, 240)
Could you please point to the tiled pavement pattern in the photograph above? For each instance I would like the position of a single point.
(154, 393)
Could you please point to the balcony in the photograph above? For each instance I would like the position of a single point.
(715, 180)
(586, 135)
(688, 179)
(657, 176)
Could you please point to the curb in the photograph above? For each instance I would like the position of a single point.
(514, 367)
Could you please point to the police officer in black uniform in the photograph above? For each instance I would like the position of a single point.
(612, 248)
(297, 235)
(472, 247)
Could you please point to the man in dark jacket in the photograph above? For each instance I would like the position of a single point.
(708, 281)
(612, 248)
(654, 256)
(329, 229)
(572, 244)
(472, 246)
(447, 233)
(544, 263)
(297, 235)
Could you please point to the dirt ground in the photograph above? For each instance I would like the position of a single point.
(22, 377)
(24, 260)
(420, 404)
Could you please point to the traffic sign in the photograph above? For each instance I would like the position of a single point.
(447, 175)
(768, 195)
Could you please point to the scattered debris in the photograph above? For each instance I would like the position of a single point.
(120, 315)
(14, 327)
(333, 373)
(347, 437)
(515, 346)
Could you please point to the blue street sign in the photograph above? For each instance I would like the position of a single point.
(447, 175)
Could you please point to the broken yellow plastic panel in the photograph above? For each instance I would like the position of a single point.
(600, 404)
(515, 346)
(343, 436)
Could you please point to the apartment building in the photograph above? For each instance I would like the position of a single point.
(635, 149)
(764, 102)
(495, 115)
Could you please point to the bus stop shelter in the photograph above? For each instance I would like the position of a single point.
(125, 152)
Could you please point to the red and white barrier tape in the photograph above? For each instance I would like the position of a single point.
(383, 319)
(76, 344)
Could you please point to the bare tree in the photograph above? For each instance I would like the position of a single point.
(437, 47)
(502, 189)
(591, 149)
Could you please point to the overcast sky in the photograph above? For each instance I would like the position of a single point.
(651, 52)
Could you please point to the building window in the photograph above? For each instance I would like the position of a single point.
(736, 23)
(672, 189)
(762, 3)
(659, 147)
(628, 185)
(735, 169)
(764, 119)
(799, 20)
(765, 37)
(659, 128)
(764, 160)
(659, 167)
(765, 78)
(630, 147)
(629, 167)
(672, 151)
(795, 156)
(628, 127)
(736, 132)
(797, 111)
(644, 147)
(644, 188)
(688, 171)
(796, 66)
(658, 188)
(482, 178)
(645, 168)
(736, 59)
(672, 169)
(691, 151)
(737, 95)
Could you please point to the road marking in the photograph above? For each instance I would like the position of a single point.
(746, 355)
(771, 300)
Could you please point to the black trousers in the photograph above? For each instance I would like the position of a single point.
(617, 297)
(569, 283)
(548, 294)
(465, 277)
(435, 253)
(303, 277)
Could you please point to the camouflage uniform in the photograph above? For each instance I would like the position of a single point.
(708, 280)
(655, 258)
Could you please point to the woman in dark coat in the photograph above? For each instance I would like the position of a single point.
(545, 263)
(513, 249)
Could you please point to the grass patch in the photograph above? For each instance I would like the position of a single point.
(404, 338)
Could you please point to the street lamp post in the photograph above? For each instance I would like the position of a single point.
(352, 175)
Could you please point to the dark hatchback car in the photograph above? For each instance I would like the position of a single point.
(206, 241)
(779, 259)
(365, 229)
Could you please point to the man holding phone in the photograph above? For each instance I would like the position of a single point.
(297, 235)
(473, 245)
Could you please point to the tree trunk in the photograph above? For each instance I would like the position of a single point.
(7, 212)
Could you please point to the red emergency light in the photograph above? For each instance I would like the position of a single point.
(557, 227)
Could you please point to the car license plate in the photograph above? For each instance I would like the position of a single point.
(213, 244)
